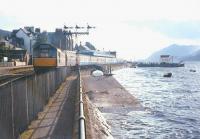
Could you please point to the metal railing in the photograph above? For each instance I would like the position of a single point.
(82, 129)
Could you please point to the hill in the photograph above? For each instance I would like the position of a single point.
(192, 57)
(4, 33)
(179, 52)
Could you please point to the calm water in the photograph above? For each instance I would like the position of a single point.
(172, 104)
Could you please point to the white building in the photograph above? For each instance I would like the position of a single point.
(28, 38)
(166, 59)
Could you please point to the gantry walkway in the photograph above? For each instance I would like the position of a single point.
(57, 119)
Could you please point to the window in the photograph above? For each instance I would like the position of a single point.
(44, 52)
(59, 57)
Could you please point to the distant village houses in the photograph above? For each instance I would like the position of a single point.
(18, 45)
(60, 40)
(11, 55)
(28, 37)
(24, 38)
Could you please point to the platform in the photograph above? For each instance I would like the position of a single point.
(16, 69)
(57, 119)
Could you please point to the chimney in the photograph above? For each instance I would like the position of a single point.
(58, 30)
(37, 30)
(30, 29)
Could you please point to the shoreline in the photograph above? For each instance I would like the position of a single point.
(107, 96)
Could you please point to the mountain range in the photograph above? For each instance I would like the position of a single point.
(4, 33)
(179, 52)
(193, 57)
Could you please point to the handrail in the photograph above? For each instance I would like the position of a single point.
(82, 133)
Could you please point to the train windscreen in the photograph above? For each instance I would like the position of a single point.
(45, 51)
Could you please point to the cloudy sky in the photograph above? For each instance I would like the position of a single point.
(135, 28)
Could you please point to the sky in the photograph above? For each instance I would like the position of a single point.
(134, 28)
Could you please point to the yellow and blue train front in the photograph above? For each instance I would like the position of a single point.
(45, 62)
(44, 55)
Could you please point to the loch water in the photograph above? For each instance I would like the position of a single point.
(172, 105)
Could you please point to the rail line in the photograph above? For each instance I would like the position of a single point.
(5, 78)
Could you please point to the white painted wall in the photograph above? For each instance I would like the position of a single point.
(28, 40)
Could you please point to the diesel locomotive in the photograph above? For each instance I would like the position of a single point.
(46, 56)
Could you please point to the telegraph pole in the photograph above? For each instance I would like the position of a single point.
(68, 32)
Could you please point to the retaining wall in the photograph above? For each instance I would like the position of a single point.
(23, 98)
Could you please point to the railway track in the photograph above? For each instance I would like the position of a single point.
(10, 77)
(10, 73)
(21, 69)
(15, 70)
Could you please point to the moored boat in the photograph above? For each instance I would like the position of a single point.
(165, 61)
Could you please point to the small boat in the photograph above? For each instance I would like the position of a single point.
(191, 70)
(168, 74)
(133, 67)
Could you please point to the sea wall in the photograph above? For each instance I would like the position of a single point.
(96, 124)
(105, 98)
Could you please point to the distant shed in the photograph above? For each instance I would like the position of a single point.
(20, 55)
(166, 59)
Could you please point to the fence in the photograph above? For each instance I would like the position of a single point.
(21, 100)
(82, 133)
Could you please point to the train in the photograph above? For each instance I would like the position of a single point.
(46, 56)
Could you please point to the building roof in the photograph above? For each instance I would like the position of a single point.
(96, 53)
(39, 45)
(25, 31)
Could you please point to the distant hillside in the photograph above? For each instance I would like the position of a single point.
(4, 33)
(193, 57)
(178, 51)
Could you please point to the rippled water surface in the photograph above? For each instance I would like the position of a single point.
(172, 104)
